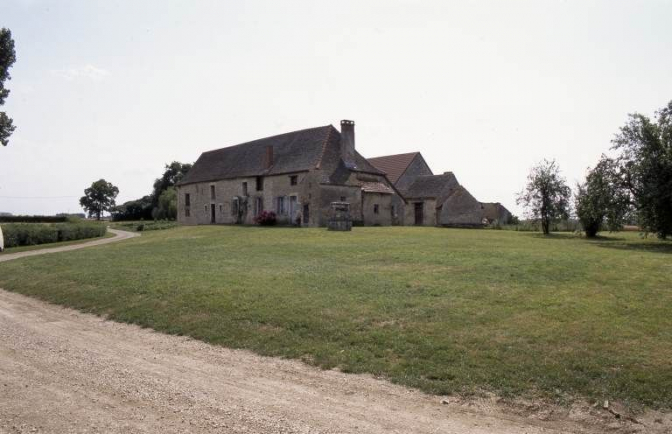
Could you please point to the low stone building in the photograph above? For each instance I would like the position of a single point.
(496, 212)
(431, 200)
(297, 175)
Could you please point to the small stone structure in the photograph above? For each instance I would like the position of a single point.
(340, 219)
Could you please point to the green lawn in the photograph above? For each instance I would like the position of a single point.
(444, 310)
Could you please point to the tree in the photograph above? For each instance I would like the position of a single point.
(99, 197)
(546, 195)
(7, 59)
(167, 208)
(602, 199)
(646, 164)
(173, 174)
(139, 209)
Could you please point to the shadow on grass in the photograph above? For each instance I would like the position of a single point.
(650, 247)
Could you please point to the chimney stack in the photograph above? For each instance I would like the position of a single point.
(348, 143)
(268, 157)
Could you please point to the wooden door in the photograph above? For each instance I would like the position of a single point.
(419, 217)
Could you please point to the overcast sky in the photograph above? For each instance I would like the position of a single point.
(486, 89)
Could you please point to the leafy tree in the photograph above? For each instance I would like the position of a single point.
(646, 164)
(7, 59)
(139, 209)
(602, 199)
(546, 195)
(99, 197)
(174, 172)
(167, 208)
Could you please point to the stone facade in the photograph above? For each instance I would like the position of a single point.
(303, 197)
(461, 209)
(418, 167)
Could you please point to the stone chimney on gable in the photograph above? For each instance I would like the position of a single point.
(348, 143)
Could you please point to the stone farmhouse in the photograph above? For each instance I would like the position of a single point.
(298, 175)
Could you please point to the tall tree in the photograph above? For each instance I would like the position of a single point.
(602, 201)
(99, 197)
(7, 59)
(546, 195)
(174, 172)
(646, 163)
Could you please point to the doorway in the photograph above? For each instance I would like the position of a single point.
(306, 214)
(212, 213)
(419, 217)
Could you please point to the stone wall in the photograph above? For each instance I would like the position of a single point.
(229, 195)
(377, 209)
(461, 209)
(418, 167)
(428, 211)
(310, 190)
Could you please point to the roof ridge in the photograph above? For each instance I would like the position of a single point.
(394, 155)
(268, 137)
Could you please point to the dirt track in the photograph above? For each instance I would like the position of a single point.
(64, 371)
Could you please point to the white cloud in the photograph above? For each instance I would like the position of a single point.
(87, 71)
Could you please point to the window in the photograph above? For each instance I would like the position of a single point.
(260, 183)
(375, 208)
(293, 180)
(186, 212)
(259, 206)
(206, 208)
(212, 192)
(280, 208)
(393, 211)
(187, 200)
(342, 198)
(221, 208)
(244, 188)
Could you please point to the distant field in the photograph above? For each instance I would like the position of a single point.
(444, 310)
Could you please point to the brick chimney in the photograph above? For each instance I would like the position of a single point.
(268, 157)
(348, 143)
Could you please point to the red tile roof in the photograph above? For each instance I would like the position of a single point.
(393, 165)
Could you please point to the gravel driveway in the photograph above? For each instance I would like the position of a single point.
(65, 371)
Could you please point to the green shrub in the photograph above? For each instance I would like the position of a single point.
(33, 219)
(30, 234)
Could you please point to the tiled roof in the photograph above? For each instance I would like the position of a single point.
(393, 165)
(376, 187)
(292, 152)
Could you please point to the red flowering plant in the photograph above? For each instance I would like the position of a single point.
(266, 218)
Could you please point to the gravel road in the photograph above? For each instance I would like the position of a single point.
(65, 371)
(118, 236)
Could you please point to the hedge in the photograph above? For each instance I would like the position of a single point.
(30, 234)
(33, 219)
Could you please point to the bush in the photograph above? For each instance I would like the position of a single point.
(33, 219)
(30, 234)
(266, 218)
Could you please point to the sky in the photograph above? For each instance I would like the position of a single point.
(485, 89)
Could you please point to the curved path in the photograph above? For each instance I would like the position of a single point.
(118, 236)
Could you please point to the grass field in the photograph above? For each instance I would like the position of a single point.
(444, 310)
